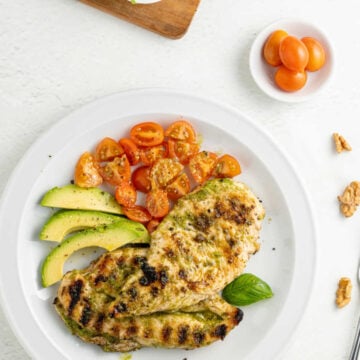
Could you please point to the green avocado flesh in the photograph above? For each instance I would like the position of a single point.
(65, 222)
(109, 237)
(75, 197)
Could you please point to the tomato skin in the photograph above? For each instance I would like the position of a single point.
(202, 165)
(152, 225)
(179, 187)
(288, 80)
(87, 172)
(226, 167)
(137, 213)
(116, 171)
(293, 53)
(141, 179)
(271, 47)
(125, 194)
(316, 51)
(163, 172)
(131, 150)
(149, 155)
(147, 134)
(107, 150)
(182, 150)
(157, 203)
(181, 130)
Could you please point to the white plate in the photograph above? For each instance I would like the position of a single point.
(263, 73)
(286, 260)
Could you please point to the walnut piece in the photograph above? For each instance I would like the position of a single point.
(340, 143)
(343, 293)
(350, 199)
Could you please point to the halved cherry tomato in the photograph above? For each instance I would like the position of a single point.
(150, 154)
(288, 80)
(182, 150)
(116, 171)
(147, 134)
(163, 172)
(293, 53)
(202, 165)
(152, 225)
(227, 166)
(316, 54)
(137, 213)
(87, 172)
(271, 47)
(157, 203)
(181, 130)
(125, 194)
(108, 149)
(131, 150)
(141, 179)
(179, 187)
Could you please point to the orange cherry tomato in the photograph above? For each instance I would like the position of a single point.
(141, 179)
(163, 172)
(227, 166)
(86, 172)
(157, 203)
(202, 165)
(150, 154)
(181, 130)
(125, 194)
(131, 150)
(152, 225)
(288, 80)
(137, 213)
(293, 53)
(316, 54)
(147, 134)
(182, 150)
(179, 187)
(116, 171)
(271, 47)
(107, 150)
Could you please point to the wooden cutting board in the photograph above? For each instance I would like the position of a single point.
(170, 18)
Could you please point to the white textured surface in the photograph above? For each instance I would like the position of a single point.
(57, 55)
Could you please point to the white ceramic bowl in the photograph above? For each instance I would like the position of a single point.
(263, 73)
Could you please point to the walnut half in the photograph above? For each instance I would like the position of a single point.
(343, 293)
(350, 199)
(340, 143)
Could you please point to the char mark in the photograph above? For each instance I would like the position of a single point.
(220, 331)
(166, 333)
(238, 316)
(74, 292)
(86, 314)
(183, 333)
(198, 337)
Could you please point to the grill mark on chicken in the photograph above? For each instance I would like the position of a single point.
(74, 292)
(183, 334)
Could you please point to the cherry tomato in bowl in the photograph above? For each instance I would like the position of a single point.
(263, 74)
(317, 55)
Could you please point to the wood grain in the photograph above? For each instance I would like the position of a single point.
(170, 18)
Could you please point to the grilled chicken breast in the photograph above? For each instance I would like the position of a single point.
(202, 245)
(167, 295)
(83, 300)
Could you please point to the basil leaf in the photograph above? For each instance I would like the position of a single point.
(245, 290)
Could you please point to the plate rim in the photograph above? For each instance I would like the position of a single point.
(4, 301)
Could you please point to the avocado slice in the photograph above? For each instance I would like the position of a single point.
(75, 197)
(65, 222)
(109, 237)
